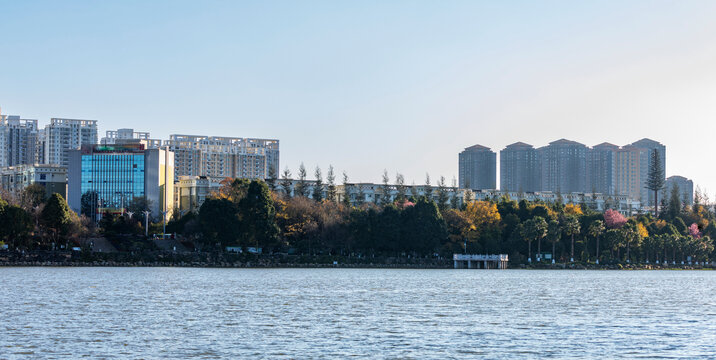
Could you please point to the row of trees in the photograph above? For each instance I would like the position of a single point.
(32, 221)
(247, 213)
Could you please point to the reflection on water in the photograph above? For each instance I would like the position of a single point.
(336, 313)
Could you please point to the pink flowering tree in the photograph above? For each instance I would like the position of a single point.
(694, 231)
(613, 219)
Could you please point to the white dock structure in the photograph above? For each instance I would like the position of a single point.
(473, 261)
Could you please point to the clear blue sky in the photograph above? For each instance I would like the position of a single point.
(373, 85)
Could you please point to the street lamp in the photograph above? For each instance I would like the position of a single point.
(146, 222)
(164, 223)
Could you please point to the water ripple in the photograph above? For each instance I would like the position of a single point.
(162, 313)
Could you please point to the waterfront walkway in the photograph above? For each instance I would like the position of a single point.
(474, 261)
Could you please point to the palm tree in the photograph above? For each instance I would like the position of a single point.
(533, 229)
(596, 229)
(571, 228)
(554, 234)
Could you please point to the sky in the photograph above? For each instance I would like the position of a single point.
(368, 86)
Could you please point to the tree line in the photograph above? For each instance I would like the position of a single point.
(243, 213)
(248, 214)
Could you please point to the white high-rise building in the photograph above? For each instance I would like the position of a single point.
(221, 157)
(128, 136)
(63, 135)
(17, 141)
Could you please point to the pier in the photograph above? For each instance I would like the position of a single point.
(473, 261)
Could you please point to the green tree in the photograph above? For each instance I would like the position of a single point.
(89, 203)
(219, 222)
(286, 182)
(15, 224)
(595, 230)
(400, 188)
(55, 217)
(271, 179)
(674, 206)
(258, 216)
(318, 187)
(331, 188)
(428, 187)
(423, 227)
(554, 234)
(454, 199)
(533, 229)
(655, 179)
(571, 227)
(385, 197)
(32, 196)
(442, 195)
(300, 188)
(346, 192)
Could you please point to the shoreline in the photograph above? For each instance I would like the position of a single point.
(275, 261)
(254, 265)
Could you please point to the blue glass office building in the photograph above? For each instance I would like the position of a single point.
(110, 176)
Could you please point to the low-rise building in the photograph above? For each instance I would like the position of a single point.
(191, 191)
(52, 177)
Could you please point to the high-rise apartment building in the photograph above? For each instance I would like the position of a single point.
(646, 147)
(18, 138)
(129, 136)
(601, 169)
(519, 169)
(111, 176)
(64, 135)
(221, 157)
(477, 166)
(628, 172)
(41, 147)
(564, 166)
(684, 186)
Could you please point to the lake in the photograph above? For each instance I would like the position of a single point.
(367, 313)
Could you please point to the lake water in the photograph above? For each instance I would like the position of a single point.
(370, 313)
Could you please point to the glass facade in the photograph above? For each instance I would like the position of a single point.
(116, 177)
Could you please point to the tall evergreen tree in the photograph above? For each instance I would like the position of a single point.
(300, 188)
(385, 197)
(286, 182)
(428, 187)
(442, 195)
(271, 179)
(318, 187)
(400, 188)
(258, 216)
(674, 205)
(55, 217)
(454, 200)
(655, 179)
(331, 188)
(346, 191)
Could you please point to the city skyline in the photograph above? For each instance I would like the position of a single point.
(338, 84)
